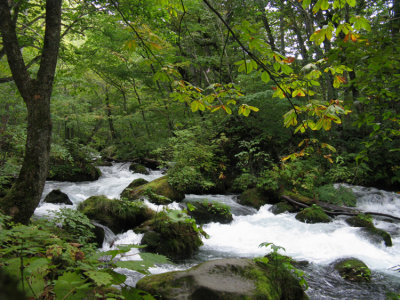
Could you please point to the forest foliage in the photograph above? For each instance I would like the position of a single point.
(228, 95)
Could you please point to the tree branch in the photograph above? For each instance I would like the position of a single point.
(11, 46)
(51, 44)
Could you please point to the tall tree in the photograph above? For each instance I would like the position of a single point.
(25, 194)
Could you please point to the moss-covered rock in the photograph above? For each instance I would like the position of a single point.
(56, 196)
(138, 168)
(256, 198)
(67, 171)
(118, 215)
(282, 207)
(133, 185)
(375, 234)
(313, 214)
(156, 198)
(159, 186)
(208, 211)
(353, 269)
(360, 220)
(225, 279)
(171, 233)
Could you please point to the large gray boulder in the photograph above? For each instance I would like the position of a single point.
(222, 279)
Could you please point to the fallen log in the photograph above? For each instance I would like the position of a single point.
(340, 210)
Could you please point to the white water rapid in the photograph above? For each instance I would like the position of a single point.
(319, 244)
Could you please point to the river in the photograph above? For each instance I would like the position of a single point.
(319, 244)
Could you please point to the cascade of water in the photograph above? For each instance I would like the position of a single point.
(320, 244)
(109, 236)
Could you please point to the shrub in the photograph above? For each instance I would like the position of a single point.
(338, 196)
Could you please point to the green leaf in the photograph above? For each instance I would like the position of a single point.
(71, 286)
(351, 3)
(306, 3)
(228, 110)
(265, 77)
(99, 277)
(324, 4)
(194, 106)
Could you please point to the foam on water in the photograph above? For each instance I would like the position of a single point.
(111, 183)
(319, 243)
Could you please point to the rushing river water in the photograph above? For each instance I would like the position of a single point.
(319, 244)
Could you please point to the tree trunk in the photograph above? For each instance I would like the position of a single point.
(24, 196)
(110, 117)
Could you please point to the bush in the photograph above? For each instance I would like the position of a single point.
(197, 160)
(338, 196)
(75, 223)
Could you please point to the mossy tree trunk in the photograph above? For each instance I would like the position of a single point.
(24, 196)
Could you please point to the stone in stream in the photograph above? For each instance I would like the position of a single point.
(282, 207)
(57, 197)
(138, 168)
(369, 230)
(118, 215)
(353, 269)
(229, 279)
(159, 186)
(171, 233)
(313, 214)
(257, 197)
(209, 211)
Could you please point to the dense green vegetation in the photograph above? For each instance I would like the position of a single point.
(228, 95)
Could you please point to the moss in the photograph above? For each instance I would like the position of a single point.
(208, 211)
(138, 168)
(360, 220)
(173, 235)
(159, 186)
(299, 197)
(365, 221)
(313, 214)
(282, 207)
(156, 198)
(353, 270)
(387, 239)
(257, 197)
(118, 215)
(225, 279)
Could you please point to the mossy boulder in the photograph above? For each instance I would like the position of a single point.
(171, 233)
(138, 168)
(68, 171)
(118, 215)
(313, 214)
(225, 279)
(353, 269)
(360, 220)
(209, 211)
(156, 198)
(256, 197)
(375, 234)
(56, 196)
(282, 207)
(134, 184)
(159, 186)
